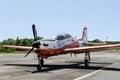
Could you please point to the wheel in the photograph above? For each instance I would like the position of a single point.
(86, 62)
(39, 67)
(42, 62)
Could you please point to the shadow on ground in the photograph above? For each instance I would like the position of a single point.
(72, 65)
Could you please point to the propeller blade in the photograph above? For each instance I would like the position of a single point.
(36, 44)
(29, 52)
(34, 32)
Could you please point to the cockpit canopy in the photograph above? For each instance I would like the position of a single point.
(62, 36)
(57, 38)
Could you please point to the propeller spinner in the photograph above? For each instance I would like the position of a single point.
(36, 44)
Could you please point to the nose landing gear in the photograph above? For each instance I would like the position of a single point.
(40, 63)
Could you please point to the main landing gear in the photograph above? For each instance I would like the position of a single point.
(40, 63)
(87, 59)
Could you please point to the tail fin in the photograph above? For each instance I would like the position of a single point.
(84, 38)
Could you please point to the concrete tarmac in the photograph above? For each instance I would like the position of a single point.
(103, 66)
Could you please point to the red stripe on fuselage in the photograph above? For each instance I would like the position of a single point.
(45, 53)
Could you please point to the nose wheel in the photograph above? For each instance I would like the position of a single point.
(40, 63)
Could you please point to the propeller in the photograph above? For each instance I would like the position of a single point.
(34, 32)
(36, 44)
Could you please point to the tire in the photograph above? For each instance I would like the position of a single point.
(86, 62)
(39, 67)
(42, 62)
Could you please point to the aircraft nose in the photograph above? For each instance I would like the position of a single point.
(36, 44)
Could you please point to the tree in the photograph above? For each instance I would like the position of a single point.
(96, 41)
(9, 41)
(26, 42)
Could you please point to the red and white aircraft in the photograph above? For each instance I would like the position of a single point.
(61, 44)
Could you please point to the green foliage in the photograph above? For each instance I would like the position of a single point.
(39, 38)
(24, 42)
(1, 48)
(9, 41)
(113, 42)
(108, 42)
(96, 41)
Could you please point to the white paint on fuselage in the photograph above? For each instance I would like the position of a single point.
(57, 42)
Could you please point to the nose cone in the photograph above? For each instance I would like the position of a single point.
(36, 44)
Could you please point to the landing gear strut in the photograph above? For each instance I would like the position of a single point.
(40, 63)
(87, 59)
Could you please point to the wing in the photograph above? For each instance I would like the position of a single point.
(91, 48)
(19, 47)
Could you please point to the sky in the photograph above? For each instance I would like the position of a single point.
(101, 17)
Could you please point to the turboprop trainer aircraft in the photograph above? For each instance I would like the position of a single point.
(61, 44)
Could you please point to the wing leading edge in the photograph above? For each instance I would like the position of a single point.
(19, 47)
(91, 48)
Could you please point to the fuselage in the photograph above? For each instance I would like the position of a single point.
(56, 45)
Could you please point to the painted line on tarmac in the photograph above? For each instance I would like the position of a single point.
(85, 76)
